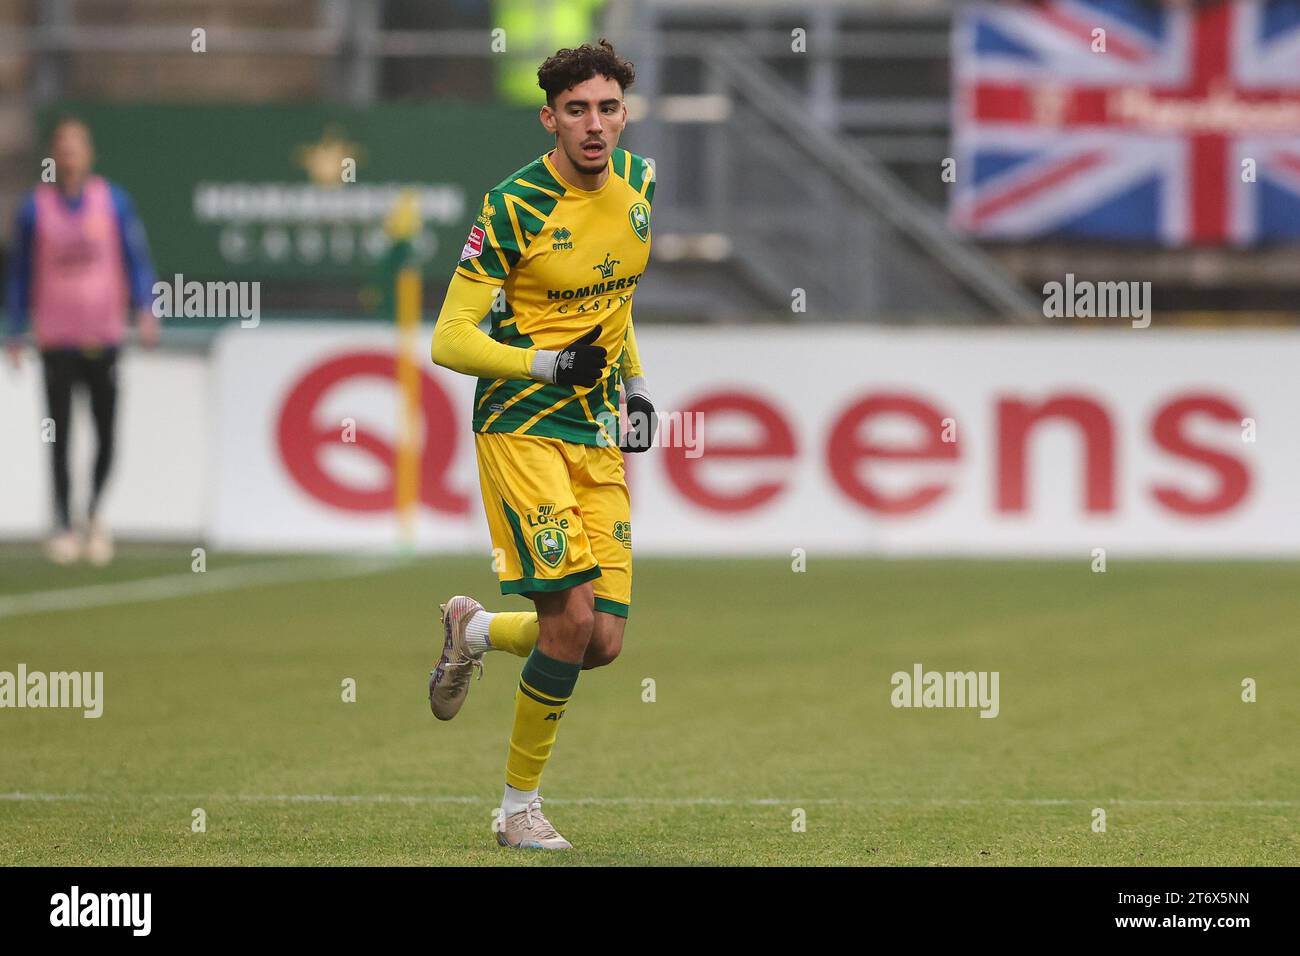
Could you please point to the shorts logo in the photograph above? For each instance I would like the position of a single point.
(639, 217)
(551, 544)
(623, 532)
(474, 244)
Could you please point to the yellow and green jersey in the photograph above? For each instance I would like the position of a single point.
(568, 260)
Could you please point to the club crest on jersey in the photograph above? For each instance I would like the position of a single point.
(639, 217)
(474, 244)
(550, 545)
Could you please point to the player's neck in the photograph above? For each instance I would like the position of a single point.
(588, 182)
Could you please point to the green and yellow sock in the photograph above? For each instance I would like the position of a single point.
(545, 686)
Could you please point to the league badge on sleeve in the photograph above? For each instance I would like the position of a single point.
(474, 244)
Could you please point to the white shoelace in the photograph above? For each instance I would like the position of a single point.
(542, 827)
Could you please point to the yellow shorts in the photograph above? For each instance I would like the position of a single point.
(559, 515)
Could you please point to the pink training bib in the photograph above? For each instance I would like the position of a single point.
(79, 289)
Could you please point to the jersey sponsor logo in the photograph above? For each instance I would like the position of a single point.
(600, 288)
(474, 244)
(488, 212)
(639, 218)
(545, 515)
(561, 239)
(551, 545)
(607, 267)
(623, 533)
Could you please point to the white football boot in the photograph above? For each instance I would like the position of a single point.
(530, 830)
(449, 680)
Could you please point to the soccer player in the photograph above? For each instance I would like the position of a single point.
(554, 257)
(79, 261)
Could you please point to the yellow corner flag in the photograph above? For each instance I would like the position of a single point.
(402, 226)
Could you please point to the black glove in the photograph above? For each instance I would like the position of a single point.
(641, 424)
(581, 363)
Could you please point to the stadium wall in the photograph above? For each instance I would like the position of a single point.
(1142, 442)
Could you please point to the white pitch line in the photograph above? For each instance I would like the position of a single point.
(421, 799)
(188, 584)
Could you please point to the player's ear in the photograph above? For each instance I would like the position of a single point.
(547, 116)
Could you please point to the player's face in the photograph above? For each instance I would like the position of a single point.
(587, 121)
(72, 153)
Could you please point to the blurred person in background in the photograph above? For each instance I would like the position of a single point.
(78, 263)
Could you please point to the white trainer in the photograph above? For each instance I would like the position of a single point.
(64, 547)
(99, 544)
(530, 830)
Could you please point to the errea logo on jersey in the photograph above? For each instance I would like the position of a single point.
(562, 239)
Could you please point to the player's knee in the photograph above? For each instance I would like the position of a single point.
(579, 621)
(601, 651)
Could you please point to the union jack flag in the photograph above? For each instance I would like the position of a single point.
(1127, 120)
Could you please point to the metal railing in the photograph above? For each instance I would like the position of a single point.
(805, 210)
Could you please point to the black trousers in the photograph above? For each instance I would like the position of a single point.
(96, 369)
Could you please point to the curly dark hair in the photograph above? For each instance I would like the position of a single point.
(569, 67)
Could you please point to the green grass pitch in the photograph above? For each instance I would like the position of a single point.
(1119, 690)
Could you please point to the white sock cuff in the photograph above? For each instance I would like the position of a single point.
(476, 631)
(513, 801)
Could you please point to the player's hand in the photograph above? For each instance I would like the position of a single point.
(641, 422)
(582, 362)
(14, 351)
(149, 327)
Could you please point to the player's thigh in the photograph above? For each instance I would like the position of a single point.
(601, 488)
(539, 541)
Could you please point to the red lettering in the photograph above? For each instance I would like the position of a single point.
(846, 448)
(1169, 434)
(1015, 420)
(776, 441)
(302, 439)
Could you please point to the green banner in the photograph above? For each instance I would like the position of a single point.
(300, 193)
